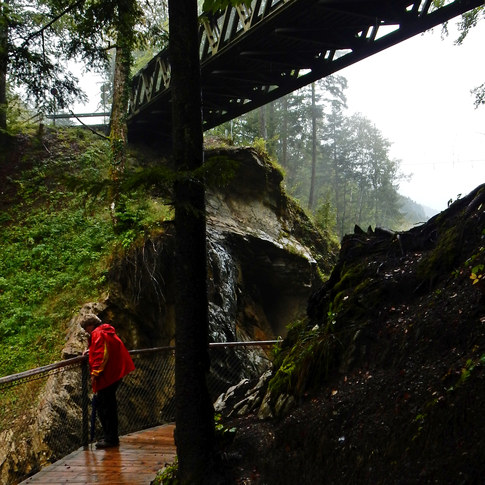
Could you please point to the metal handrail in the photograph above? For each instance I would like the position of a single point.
(31, 373)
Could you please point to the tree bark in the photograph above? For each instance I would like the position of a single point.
(311, 197)
(194, 411)
(119, 108)
(284, 134)
(3, 64)
(118, 128)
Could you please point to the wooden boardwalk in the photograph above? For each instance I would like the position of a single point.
(136, 461)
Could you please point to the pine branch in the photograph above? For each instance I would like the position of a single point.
(51, 22)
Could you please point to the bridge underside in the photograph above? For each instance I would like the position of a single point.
(300, 42)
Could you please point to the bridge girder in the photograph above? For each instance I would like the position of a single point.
(250, 57)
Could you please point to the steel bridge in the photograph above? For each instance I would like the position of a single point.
(251, 56)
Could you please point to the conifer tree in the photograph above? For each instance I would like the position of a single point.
(31, 57)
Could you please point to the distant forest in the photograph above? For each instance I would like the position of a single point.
(338, 166)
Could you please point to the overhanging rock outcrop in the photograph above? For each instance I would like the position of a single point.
(265, 258)
(264, 253)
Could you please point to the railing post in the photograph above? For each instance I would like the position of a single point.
(84, 402)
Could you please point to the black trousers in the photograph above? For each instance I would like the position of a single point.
(108, 412)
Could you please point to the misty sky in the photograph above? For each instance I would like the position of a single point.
(418, 95)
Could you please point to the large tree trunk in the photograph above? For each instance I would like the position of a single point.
(119, 108)
(3, 64)
(194, 410)
(284, 134)
(118, 128)
(311, 197)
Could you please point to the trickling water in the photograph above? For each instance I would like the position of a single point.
(223, 275)
(223, 310)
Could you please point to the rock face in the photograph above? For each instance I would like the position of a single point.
(264, 260)
(265, 256)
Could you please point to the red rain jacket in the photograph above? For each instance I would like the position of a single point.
(109, 359)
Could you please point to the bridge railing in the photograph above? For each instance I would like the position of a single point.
(46, 413)
(215, 32)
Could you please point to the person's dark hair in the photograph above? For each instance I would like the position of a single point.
(90, 320)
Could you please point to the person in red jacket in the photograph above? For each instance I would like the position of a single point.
(109, 362)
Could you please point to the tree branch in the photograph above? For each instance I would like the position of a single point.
(89, 128)
(55, 19)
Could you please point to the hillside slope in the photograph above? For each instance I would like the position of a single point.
(389, 369)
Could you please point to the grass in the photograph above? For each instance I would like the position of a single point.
(56, 242)
(48, 265)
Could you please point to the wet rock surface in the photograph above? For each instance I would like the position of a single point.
(265, 259)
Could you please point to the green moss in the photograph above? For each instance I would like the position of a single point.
(168, 475)
(442, 258)
(351, 276)
(56, 241)
(261, 149)
(305, 359)
(307, 355)
(339, 300)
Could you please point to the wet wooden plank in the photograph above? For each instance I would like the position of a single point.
(135, 462)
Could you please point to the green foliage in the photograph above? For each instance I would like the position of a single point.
(259, 144)
(52, 253)
(325, 216)
(34, 54)
(477, 273)
(18, 113)
(217, 171)
(476, 266)
(223, 435)
(467, 370)
(468, 21)
(168, 475)
(430, 417)
(441, 259)
(56, 242)
(137, 216)
(49, 265)
(92, 28)
(261, 147)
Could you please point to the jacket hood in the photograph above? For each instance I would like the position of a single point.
(106, 328)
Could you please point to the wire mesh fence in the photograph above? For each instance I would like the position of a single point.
(46, 413)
